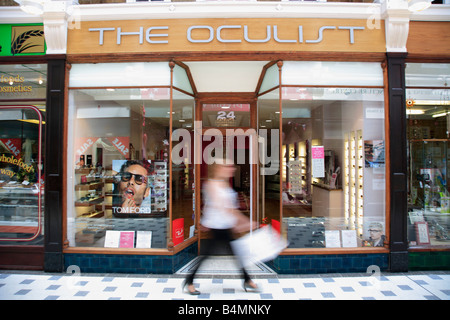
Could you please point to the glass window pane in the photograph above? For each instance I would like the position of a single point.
(331, 73)
(21, 175)
(182, 157)
(271, 79)
(269, 144)
(226, 115)
(22, 148)
(333, 167)
(427, 74)
(120, 74)
(181, 80)
(119, 159)
(428, 166)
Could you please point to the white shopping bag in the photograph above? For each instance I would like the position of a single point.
(261, 245)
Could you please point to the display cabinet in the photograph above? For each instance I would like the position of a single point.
(353, 183)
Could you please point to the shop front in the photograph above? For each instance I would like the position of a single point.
(427, 75)
(25, 109)
(336, 121)
(300, 105)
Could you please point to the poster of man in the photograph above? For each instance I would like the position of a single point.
(374, 153)
(376, 234)
(131, 189)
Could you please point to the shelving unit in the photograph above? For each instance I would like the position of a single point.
(89, 194)
(159, 187)
(354, 180)
(359, 182)
(346, 179)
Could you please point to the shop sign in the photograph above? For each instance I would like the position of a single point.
(22, 40)
(225, 34)
(13, 84)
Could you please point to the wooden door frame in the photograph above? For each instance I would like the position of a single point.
(221, 98)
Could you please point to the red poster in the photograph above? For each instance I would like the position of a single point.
(122, 144)
(14, 145)
(178, 231)
(126, 239)
(276, 225)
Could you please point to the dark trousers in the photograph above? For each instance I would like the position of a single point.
(218, 236)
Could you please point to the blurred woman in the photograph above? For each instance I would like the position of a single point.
(220, 216)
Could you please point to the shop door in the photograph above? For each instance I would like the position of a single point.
(239, 145)
(21, 187)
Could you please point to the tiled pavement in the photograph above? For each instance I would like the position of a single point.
(16, 285)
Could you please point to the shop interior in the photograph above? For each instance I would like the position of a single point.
(428, 119)
(22, 128)
(327, 191)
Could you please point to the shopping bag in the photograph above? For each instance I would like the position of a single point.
(261, 245)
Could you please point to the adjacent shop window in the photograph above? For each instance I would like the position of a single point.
(22, 128)
(427, 110)
(331, 184)
(21, 176)
(121, 158)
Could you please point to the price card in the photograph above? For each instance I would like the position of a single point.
(318, 161)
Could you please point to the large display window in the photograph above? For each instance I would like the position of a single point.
(427, 109)
(123, 185)
(329, 191)
(22, 129)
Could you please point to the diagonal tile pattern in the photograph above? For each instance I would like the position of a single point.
(42, 286)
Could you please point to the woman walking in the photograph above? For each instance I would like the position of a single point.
(220, 216)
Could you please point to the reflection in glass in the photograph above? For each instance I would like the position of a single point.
(183, 183)
(21, 175)
(269, 177)
(120, 163)
(428, 117)
(330, 196)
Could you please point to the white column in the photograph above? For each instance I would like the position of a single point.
(55, 26)
(396, 18)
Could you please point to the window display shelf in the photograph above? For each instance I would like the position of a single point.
(89, 186)
(353, 180)
(88, 203)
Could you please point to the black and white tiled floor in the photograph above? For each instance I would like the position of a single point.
(42, 286)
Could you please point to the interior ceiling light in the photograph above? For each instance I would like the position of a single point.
(437, 115)
(418, 5)
(432, 102)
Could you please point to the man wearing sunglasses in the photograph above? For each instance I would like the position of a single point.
(132, 188)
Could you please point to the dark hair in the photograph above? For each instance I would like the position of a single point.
(129, 163)
(117, 198)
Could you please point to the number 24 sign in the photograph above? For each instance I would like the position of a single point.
(223, 115)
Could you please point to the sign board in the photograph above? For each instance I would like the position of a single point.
(22, 39)
(200, 35)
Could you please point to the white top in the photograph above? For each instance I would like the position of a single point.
(216, 213)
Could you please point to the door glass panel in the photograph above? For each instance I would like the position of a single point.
(226, 115)
(21, 175)
(237, 145)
